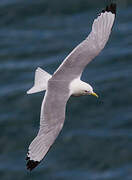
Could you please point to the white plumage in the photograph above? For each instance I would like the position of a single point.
(40, 81)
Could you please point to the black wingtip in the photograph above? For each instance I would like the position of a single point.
(110, 8)
(31, 164)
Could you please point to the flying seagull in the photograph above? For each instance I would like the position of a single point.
(65, 82)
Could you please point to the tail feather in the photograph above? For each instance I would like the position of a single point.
(40, 81)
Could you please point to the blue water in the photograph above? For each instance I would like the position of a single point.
(96, 141)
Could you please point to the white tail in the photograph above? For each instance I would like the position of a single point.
(40, 81)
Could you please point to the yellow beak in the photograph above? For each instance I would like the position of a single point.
(94, 94)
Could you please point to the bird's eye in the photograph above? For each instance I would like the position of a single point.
(86, 91)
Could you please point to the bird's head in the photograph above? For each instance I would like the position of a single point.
(80, 88)
(86, 89)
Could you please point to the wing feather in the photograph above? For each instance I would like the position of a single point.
(74, 64)
(51, 122)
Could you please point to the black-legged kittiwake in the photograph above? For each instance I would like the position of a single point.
(65, 82)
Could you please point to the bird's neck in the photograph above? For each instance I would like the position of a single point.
(76, 87)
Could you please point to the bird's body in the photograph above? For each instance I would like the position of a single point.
(66, 82)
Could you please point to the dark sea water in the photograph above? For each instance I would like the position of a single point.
(96, 141)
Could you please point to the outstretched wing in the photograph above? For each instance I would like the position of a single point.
(75, 62)
(51, 122)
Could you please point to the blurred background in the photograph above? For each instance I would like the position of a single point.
(96, 141)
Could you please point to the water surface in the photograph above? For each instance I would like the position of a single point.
(96, 141)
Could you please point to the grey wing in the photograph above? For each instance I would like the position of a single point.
(51, 122)
(72, 67)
